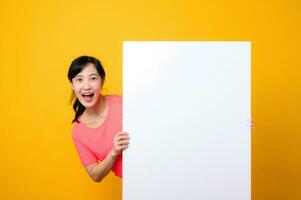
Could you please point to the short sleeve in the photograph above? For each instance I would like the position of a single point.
(85, 155)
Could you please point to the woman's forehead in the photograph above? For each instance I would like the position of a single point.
(88, 70)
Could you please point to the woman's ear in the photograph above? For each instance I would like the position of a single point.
(72, 96)
(71, 85)
(102, 83)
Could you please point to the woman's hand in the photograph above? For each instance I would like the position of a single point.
(121, 142)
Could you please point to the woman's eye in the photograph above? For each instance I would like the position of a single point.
(94, 78)
(78, 80)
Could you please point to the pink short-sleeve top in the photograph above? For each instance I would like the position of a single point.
(93, 144)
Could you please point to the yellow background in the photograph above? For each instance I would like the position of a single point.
(38, 40)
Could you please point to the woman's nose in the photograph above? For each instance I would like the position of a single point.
(87, 85)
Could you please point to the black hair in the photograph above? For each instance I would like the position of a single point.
(77, 65)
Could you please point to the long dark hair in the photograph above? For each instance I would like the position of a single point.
(77, 65)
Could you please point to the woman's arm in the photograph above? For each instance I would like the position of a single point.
(98, 171)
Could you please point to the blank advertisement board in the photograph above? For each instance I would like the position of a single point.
(187, 107)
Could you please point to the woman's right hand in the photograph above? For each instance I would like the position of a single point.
(121, 142)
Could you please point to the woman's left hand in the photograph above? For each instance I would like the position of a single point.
(121, 142)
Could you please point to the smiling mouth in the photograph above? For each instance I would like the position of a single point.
(88, 97)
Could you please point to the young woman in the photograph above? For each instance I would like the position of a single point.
(97, 130)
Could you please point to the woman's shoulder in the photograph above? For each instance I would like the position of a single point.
(115, 97)
(74, 131)
(115, 103)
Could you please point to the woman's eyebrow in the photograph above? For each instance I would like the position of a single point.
(93, 74)
(79, 75)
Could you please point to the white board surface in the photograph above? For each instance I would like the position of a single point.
(187, 108)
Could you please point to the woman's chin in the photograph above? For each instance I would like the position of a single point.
(88, 104)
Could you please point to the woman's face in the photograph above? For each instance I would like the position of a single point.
(87, 85)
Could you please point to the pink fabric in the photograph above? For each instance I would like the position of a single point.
(94, 144)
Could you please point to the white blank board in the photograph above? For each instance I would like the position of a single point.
(187, 107)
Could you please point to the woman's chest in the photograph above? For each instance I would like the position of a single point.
(100, 141)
